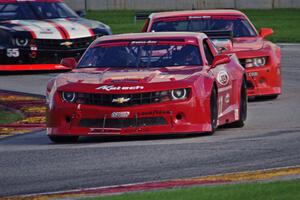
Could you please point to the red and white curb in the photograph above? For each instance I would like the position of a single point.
(239, 177)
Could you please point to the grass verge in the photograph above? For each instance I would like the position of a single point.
(285, 22)
(258, 191)
(7, 117)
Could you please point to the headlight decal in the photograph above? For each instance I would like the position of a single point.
(69, 96)
(179, 94)
(256, 62)
(21, 42)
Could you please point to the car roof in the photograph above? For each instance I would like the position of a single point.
(21, 1)
(196, 13)
(152, 35)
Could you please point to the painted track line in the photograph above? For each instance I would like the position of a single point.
(238, 177)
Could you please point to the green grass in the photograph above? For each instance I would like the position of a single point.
(285, 22)
(285, 190)
(7, 117)
(119, 21)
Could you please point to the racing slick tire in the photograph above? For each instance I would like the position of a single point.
(267, 97)
(242, 107)
(63, 139)
(273, 96)
(213, 111)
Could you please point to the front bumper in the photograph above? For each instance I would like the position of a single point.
(263, 81)
(160, 118)
(22, 56)
(36, 60)
(32, 67)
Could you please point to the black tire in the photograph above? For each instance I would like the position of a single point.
(63, 139)
(213, 111)
(243, 107)
(266, 97)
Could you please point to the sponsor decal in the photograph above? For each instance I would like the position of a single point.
(12, 53)
(105, 131)
(116, 88)
(33, 48)
(144, 42)
(220, 109)
(227, 98)
(120, 114)
(199, 17)
(46, 31)
(223, 89)
(155, 112)
(136, 129)
(253, 74)
(223, 77)
(121, 100)
(236, 114)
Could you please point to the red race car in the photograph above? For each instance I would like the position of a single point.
(147, 84)
(260, 57)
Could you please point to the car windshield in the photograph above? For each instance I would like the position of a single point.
(35, 10)
(240, 27)
(141, 55)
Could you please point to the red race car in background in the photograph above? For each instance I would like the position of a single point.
(261, 58)
(37, 34)
(147, 84)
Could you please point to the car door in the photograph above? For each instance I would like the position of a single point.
(223, 79)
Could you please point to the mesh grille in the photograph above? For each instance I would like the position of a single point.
(122, 123)
(112, 99)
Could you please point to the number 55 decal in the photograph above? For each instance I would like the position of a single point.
(12, 53)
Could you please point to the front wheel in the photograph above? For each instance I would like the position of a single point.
(242, 107)
(63, 139)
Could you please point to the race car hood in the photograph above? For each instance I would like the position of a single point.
(108, 76)
(247, 44)
(56, 28)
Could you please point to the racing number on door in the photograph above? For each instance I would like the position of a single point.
(12, 53)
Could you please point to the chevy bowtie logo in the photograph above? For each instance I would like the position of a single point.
(67, 43)
(121, 100)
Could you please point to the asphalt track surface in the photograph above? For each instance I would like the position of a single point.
(271, 138)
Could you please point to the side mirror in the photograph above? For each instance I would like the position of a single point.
(81, 13)
(69, 62)
(264, 32)
(220, 59)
